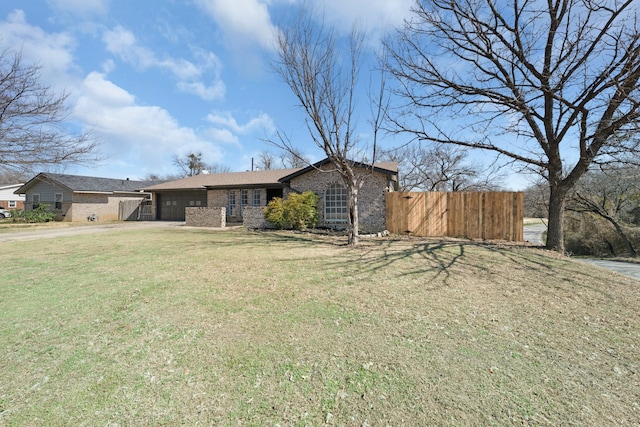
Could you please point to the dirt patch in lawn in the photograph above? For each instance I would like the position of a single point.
(185, 326)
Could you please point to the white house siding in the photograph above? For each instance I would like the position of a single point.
(8, 199)
(371, 197)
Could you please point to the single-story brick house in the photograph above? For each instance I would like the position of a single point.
(82, 198)
(8, 198)
(246, 193)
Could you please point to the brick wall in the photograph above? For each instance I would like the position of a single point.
(253, 218)
(371, 197)
(19, 204)
(103, 207)
(205, 216)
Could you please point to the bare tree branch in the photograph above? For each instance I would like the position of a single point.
(34, 132)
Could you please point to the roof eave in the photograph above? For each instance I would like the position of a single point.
(323, 162)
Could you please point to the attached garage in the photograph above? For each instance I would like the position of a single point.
(233, 191)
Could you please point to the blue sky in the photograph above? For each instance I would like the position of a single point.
(157, 78)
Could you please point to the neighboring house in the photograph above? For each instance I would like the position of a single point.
(82, 198)
(241, 192)
(8, 199)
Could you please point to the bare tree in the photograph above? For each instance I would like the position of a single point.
(549, 84)
(294, 158)
(265, 161)
(161, 177)
(288, 159)
(536, 200)
(217, 168)
(34, 132)
(192, 164)
(14, 176)
(440, 168)
(323, 76)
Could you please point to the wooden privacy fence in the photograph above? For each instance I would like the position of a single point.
(471, 215)
(135, 210)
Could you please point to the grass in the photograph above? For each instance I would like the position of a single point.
(195, 327)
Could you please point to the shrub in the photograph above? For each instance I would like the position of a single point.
(274, 213)
(588, 235)
(39, 214)
(298, 212)
(17, 215)
(301, 210)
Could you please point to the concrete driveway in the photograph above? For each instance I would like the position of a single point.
(75, 230)
(533, 234)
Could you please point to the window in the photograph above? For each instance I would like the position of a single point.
(231, 208)
(244, 197)
(57, 201)
(35, 201)
(256, 198)
(335, 204)
(12, 204)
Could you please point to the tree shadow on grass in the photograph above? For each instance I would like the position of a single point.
(440, 262)
(436, 259)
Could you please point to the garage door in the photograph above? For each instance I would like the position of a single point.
(171, 205)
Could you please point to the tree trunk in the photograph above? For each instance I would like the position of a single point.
(630, 249)
(353, 232)
(555, 228)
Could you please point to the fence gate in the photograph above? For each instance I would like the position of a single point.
(473, 215)
(135, 210)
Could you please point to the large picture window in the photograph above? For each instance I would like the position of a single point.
(336, 204)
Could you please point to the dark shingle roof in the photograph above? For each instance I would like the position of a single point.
(90, 184)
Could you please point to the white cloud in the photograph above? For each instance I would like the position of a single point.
(375, 16)
(223, 136)
(51, 51)
(262, 123)
(209, 93)
(243, 22)
(147, 134)
(122, 43)
(226, 129)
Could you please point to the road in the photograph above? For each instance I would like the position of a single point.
(533, 234)
(51, 233)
